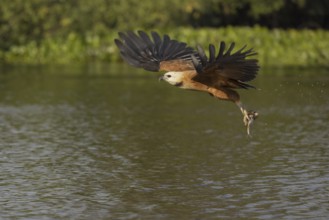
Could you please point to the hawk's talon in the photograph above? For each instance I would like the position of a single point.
(248, 119)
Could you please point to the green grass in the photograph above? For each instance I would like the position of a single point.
(274, 47)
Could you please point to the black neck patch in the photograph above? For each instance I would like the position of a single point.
(179, 84)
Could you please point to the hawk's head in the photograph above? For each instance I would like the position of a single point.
(173, 78)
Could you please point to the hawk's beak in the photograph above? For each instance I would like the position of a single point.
(160, 78)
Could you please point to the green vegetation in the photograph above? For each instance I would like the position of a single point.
(59, 31)
(274, 47)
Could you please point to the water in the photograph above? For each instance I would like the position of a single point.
(104, 142)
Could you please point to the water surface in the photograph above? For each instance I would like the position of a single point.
(111, 142)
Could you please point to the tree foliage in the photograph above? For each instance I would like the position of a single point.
(22, 21)
(28, 24)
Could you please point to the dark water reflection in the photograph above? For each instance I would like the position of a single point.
(97, 142)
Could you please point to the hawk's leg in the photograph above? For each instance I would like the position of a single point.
(229, 94)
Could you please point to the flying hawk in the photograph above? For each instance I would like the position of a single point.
(191, 69)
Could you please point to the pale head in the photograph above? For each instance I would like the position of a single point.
(173, 78)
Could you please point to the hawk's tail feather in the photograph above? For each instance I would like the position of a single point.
(245, 85)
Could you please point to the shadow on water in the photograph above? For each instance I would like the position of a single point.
(100, 141)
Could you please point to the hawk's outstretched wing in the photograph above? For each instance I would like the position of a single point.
(226, 69)
(155, 54)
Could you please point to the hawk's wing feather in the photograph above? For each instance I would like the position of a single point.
(155, 54)
(212, 53)
(227, 66)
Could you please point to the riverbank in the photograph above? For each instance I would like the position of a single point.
(274, 47)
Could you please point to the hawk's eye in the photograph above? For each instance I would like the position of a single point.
(168, 76)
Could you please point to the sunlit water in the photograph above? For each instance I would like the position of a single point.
(101, 142)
